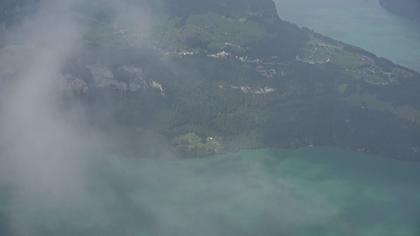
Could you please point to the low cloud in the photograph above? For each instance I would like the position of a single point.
(62, 179)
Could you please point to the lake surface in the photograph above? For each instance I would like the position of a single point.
(363, 23)
(305, 192)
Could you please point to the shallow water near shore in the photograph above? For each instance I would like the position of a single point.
(315, 191)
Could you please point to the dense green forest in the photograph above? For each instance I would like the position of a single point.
(222, 75)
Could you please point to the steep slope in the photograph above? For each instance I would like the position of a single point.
(214, 76)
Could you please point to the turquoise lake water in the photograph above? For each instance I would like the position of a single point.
(363, 23)
(306, 192)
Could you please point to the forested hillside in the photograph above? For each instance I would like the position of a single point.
(215, 76)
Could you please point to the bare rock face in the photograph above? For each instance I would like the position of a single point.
(74, 85)
(126, 78)
(133, 77)
(104, 78)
